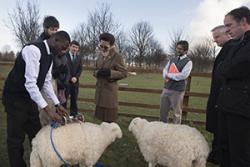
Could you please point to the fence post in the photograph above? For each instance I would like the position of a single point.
(186, 98)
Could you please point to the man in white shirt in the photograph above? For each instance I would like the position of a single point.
(22, 96)
(175, 74)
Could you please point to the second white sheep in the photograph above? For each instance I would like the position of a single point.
(170, 145)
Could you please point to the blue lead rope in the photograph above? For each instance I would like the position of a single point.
(53, 126)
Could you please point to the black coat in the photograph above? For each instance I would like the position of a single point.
(234, 94)
(60, 72)
(216, 83)
(75, 67)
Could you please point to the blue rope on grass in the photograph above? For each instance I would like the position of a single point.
(98, 164)
(53, 126)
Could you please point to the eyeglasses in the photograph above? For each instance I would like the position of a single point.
(104, 47)
(180, 48)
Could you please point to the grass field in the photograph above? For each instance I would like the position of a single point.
(124, 152)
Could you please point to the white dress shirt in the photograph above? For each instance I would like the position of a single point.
(182, 75)
(31, 55)
(72, 56)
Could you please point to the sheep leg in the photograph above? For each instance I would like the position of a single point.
(82, 164)
(200, 162)
(35, 160)
(151, 164)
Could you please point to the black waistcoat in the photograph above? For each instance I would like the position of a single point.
(14, 84)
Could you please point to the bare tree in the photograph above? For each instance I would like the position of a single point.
(202, 55)
(23, 21)
(175, 37)
(80, 35)
(159, 57)
(7, 56)
(101, 20)
(129, 53)
(141, 34)
(121, 42)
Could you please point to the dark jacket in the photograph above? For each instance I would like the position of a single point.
(234, 94)
(42, 37)
(75, 67)
(60, 72)
(216, 84)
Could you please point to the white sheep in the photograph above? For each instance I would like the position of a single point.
(170, 145)
(81, 143)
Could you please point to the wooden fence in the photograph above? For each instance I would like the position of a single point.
(186, 108)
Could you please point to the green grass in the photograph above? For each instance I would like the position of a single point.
(123, 152)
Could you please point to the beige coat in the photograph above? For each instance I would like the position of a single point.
(107, 88)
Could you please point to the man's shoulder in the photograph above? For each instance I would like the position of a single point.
(187, 59)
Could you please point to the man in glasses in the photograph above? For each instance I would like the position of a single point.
(109, 69)
(175, 74)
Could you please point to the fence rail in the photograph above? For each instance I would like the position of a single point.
(186, 108)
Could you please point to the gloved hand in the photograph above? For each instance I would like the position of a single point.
(103, 73)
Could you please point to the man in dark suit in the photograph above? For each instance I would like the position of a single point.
(74, 61)
(222, 39)
(234, 100)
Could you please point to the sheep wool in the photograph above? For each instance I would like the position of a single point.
(81, 143)
(170, 145)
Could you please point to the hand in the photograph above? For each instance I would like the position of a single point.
(103, 73)
(62, 111)
(73, 79)
(53, 115)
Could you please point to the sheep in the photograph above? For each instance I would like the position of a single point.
(81, 143)
(170, 145)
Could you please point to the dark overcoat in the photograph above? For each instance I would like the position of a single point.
(216, 83)
(234, 96)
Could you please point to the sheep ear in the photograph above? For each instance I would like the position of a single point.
(104, 124)
(136, 120)
(116, 129)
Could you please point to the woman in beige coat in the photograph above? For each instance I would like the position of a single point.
(109, 69)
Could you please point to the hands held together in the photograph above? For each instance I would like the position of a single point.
(58, 115)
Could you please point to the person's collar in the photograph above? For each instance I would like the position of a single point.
(47, 47)
(111, 53)
(71, 54)
(246, 36)
(183, 56)
(44, 36)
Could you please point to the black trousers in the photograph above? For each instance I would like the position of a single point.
(22, 118)
(72, 90)
(214, 155)
(234, 137)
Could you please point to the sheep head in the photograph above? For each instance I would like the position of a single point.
(136, 125)
(114, 128)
